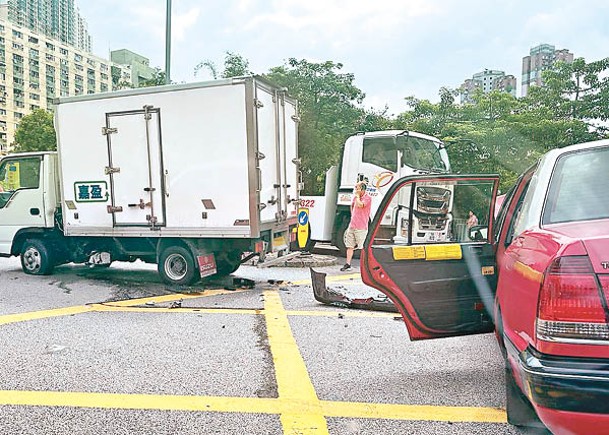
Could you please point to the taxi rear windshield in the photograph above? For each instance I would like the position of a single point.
(579, 189)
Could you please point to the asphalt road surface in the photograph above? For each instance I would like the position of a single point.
(114, 351)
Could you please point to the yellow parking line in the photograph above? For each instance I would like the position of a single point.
(79, 309)
(69, 311)
(170, 298)
(139, 401)
(156, 310)
(36, 315)
(305, 411)
(293, 382)
(460, 414)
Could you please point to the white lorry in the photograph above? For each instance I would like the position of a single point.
(381, 157)
(186, 176)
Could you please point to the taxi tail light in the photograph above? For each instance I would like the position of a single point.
(570, 306)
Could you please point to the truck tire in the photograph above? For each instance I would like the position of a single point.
(177, 266)
(36, 258)
(228, 262)
(340, 236)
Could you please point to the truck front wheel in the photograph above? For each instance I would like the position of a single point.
(177, 266)
(340, 236)
(36, 258)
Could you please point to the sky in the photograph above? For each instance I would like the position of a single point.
(395, 48)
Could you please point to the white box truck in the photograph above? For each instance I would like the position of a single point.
(381, 157)
(186, 176)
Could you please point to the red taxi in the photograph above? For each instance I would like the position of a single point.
(537, 274)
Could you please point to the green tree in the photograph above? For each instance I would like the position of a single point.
(576, 91)
(235, 65)
(36, 132)
(157, 79)
(328, 106)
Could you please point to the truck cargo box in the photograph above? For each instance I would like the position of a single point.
(215, 159)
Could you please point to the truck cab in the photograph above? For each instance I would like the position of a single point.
(29, 196)
(382, 157)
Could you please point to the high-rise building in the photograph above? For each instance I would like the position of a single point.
(36, 68)
(540, 58)
(487, 81)
(57, 19)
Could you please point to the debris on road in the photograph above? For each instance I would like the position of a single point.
(176, 304)
(332, 297)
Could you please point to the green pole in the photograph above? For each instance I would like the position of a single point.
(168, 44)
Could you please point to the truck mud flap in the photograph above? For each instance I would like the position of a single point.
(332, 297)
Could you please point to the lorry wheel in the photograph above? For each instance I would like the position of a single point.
(177, 266)
(228, 262)
(340, 237)
(36, 258)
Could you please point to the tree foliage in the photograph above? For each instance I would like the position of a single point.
(36, 132)
(235, 65)
(157, 79)
(499, 133)
(330, 111)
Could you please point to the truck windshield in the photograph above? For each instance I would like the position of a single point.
(17, 174)
(381, 151)
(419, 153)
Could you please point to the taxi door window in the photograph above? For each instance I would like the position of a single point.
(437, 212)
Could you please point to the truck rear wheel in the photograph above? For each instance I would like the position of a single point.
(227, 263)
(36, 258)
(177, 266)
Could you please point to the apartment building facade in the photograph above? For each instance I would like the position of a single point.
(57, 19)
(36, 69)
(540, 58)
(487, 81)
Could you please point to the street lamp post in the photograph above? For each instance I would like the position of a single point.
(168, 44)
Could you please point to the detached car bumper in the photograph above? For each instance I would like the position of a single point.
(567, 392)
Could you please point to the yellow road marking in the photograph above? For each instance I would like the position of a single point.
(170, 298)
(35, 315)
(79, 309)
(139, 401)
(110, 308)
(69, 311)
(293, 382)
(301, 410)
(330, 409)
(463, 414)
(251, 311)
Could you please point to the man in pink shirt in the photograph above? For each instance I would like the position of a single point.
(358, 227)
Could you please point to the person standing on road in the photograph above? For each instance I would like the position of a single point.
(358, 226)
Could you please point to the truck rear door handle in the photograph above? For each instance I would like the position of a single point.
(35, 211)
